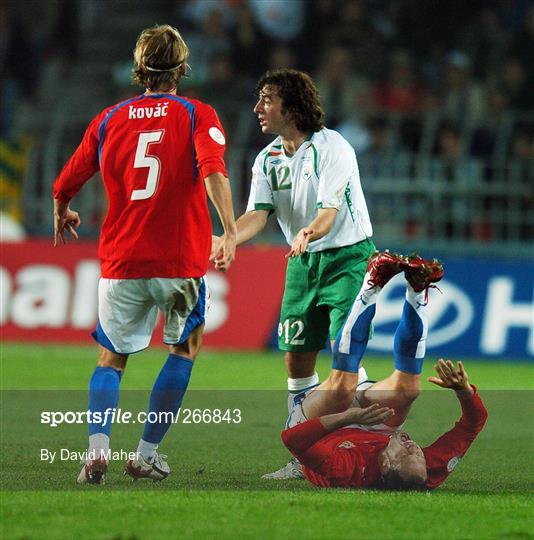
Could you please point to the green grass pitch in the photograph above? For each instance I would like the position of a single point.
(215, 489)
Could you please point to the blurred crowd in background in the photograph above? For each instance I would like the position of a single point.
(404, 81)
(471, 60)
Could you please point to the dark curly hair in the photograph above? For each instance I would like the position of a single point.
(160, 57)
(300, 98)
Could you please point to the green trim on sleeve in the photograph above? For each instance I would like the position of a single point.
(319, 205)
(263, 206)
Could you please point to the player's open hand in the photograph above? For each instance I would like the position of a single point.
(374, 414)
(300, 243)
(65, 219)
(451, 377)
(225, 253)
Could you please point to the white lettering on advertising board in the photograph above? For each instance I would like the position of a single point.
(502, 314)
(46, 296)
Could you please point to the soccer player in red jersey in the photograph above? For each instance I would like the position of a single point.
(347, 434)
(158, 154)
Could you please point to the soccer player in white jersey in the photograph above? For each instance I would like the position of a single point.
(308, 176)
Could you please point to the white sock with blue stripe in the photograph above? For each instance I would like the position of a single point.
(351, 342)
(297, 386)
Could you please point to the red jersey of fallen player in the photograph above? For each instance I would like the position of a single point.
(153, 152)
(348, 457)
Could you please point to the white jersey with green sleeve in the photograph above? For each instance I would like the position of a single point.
(323, 173)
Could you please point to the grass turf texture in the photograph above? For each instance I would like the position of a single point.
(215, 489)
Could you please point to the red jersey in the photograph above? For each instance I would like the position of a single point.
(153, 152)
(348, 457)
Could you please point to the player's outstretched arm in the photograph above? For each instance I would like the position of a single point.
(443, 455)
(318, 228)
(248, 225)
(452, 377)
(64, 219)
(220, 194)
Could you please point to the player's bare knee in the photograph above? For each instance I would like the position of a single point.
(344, 398)
(108, 358)
(343, 380)
(406, 385)
(343, 385)
(409, 393)
(191, 346)
(300, 364)
(186, 349)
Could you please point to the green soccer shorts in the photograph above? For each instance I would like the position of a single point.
(319, 292)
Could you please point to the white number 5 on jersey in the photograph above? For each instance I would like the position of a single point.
(142, 159)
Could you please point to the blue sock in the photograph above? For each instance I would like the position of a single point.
(410, 339)
(167, 395)
(352, 339)
(103, 395)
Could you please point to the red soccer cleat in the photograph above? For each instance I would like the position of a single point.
(422, 273)
(382, 266)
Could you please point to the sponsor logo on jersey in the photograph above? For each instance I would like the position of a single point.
(306, 173)
(276, 161)
(216, 134)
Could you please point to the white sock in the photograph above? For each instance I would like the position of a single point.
(147, 450)
(367, 292)
(297, 385)
(98, 445)
(416, 299)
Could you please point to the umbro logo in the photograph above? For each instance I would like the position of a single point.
(346, 444)
(452, 463)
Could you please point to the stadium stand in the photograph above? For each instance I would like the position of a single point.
(437, 101)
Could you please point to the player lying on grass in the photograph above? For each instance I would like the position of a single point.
(348, 433)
